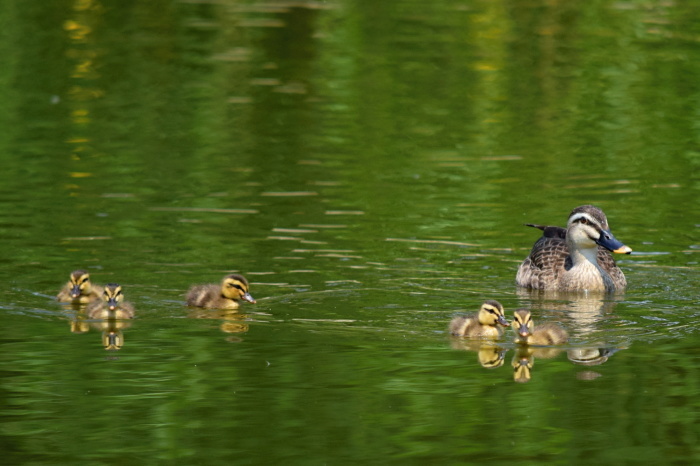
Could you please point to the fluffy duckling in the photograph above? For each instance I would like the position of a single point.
(544, 335)
(233, 288)
(79, 290)
(482, 324)
(112, 305)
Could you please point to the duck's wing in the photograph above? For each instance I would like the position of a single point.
(549, 231)
(547, 259)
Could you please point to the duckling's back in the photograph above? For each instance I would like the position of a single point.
(209, 296)
(469, 326)
(549, 334)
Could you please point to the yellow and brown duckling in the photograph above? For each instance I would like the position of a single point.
(112, 305)
(544, 335)
(485, 323)
(233, 288)
(575, 258)
(79, 290)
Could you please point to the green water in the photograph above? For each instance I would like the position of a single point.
(368, 166)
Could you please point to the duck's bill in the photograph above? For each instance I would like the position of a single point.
(248, 297)
(608, 241)
(75, 291)
(502, 320)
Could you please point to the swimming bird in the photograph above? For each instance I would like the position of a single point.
(543, 335)
(485, 323)
(575, 258)
(112, 305)
(79, 289)
(233, 288)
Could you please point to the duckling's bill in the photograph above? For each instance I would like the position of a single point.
(248, 297)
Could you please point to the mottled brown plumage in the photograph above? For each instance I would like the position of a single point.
(485, 323)
(79, 289)
(575, 258)
(227, 295)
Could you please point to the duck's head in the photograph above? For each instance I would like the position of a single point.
(491, 313)
(113, 295)
(587, 227)
(522, 323)
(79, 283)
(236, 287)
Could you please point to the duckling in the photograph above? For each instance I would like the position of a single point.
(483, 324)
(575, 258)
(544, 335)
(79, 290)
(225, 296)
(112, 305)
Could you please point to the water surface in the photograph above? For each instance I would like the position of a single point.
(369, 168)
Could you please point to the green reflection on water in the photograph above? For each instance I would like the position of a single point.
(368, 167)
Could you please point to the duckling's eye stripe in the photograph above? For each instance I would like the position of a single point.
(237, 286)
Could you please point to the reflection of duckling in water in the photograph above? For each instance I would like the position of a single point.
(490, 355)
(483, 324)
(522, 363)
(112, 305)
(79, 290)
(232, 321)
(112, 335)
(544, 335)
(233, 288)
(524, 359)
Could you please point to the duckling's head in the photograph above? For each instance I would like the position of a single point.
(522, 323)
(79, 283)
(113, 295)
(491, 313)
(588, 227)
(236, 287)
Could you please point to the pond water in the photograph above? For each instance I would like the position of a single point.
(368, 166)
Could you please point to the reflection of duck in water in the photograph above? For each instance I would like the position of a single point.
(590, 356)
(575, 258)
(79, 289)
(544, 335)
(490, 355)
(112, 305)
(485, 323)
(233, 289)
(584, 312)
